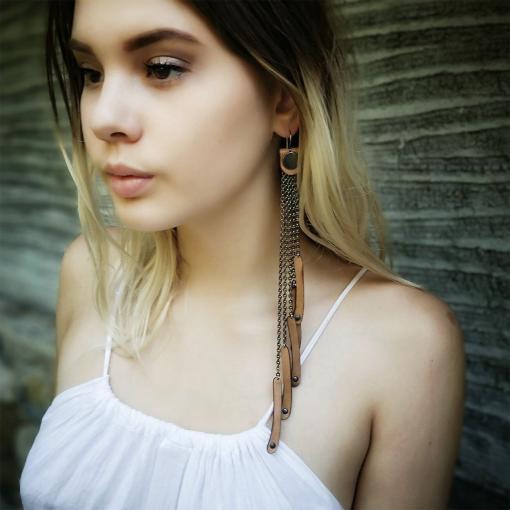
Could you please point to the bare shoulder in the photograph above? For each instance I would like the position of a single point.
(75, 275)
(75, 302)
(414, 318)
(417, 367)
(76, 283)
(412, 330)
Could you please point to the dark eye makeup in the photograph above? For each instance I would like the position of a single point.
(160, 71)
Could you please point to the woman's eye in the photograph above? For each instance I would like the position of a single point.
(159, 70)
(87, 73)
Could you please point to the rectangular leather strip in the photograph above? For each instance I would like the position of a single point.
(287, 382)
(294, 350)
(299, 306)
(293, 294)
(274, 438)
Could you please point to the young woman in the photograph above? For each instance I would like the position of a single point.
(244, 233)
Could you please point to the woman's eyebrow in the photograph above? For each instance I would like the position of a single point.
(141, 40)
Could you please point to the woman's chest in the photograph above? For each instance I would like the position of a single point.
(330, 429)
(203, 382)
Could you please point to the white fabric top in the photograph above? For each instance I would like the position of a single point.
(93, 451)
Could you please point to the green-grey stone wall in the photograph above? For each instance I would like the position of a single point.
(37, 221)
(435, 118)
(434, 115)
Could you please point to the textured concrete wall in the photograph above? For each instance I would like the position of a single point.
(37, 221)
(435, 84)
(435, 122)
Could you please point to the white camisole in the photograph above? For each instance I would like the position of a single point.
(93, 451)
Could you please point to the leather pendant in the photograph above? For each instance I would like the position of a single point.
(299, 302)
(299, 295)
(274, 438)
(295, 352)
(289, 161)
(298, 324)
(287, 385)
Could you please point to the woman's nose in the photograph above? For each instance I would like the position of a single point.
(113, 116)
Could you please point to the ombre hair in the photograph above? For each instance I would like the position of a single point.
(303, 45)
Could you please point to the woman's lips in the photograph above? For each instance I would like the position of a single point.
(129, 186)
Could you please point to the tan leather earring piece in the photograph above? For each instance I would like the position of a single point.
(288, 353)
(272, 445)
(295, 351)
(287, 383)
(298, 325)
(289, 160)
(299, 295)
(299, 302)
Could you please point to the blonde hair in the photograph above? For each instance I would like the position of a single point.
(338, 206)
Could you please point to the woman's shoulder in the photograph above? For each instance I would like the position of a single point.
(76, 317)
(393, 324)
(401, 335)
(414, 350)
(393, 314)
(414, 364)
(77, 280)
(403, 311)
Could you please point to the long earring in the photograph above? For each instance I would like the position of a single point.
(290, 294)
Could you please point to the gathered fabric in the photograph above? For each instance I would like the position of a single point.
(94, 452)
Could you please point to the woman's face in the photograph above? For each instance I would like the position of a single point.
(203, 128)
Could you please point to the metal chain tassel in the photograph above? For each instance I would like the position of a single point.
(290, 295)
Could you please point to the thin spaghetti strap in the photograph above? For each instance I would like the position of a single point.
(310, 345)
(107, 355)
(330, 314)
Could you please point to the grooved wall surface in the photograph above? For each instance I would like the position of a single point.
(435, 119)
(434, 115)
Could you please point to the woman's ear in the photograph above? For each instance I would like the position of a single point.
(286, 114)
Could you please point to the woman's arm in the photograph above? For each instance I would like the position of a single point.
(419, 414)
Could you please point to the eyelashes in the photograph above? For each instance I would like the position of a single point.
(159, 71)
(163, 69)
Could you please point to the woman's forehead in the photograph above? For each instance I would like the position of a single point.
(131, 23)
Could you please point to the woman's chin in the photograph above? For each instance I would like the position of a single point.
(140, 224)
